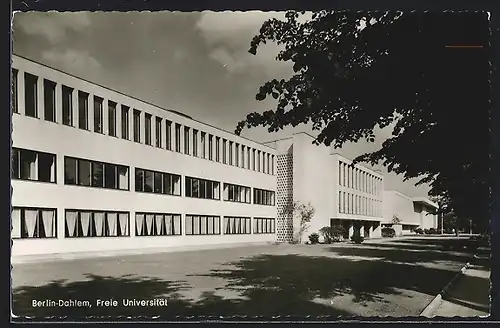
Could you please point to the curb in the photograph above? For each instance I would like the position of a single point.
(434, 304)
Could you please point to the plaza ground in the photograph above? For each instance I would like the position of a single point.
(395, 277)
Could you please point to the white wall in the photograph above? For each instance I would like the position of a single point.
(40, 135)
(395, 203)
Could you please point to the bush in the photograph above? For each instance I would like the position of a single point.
(433, 231)
(332, 234)
(388, 232)
(427, 231)
(314, 238)
(357, 239)
(419, 231)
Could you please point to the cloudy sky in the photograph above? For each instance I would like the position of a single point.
(196, 63)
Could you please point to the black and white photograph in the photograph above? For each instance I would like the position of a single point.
(251, 165)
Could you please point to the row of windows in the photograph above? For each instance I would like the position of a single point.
(355, 204)
(42, 223)
(157, 182)
(353, 177)
(196, 143)
(39, 166)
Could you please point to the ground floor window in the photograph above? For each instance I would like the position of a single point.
(263, 225)
(236, 225)
(202, 225)
(89, 223)
(34, 222)
(157, 224)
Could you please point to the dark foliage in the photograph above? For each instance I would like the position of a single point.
(399, 70)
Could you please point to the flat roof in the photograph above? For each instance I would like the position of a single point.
(425, 201)
(173, 111)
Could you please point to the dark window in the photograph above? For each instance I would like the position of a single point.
(195, 143)
(263, 197)
(95, 174)
(230, 153)
(237, 155)
(158, 133)
(112, 118)
(210, 147)
(49, 100)
(67, 105)
(201, 188)
(236, 193)
(224, 151)
(33, 165)
(30, 95)
(168, 132)
(178, 138)
(147, 129)
(203, 145)
(186, 140)
(125, 124)
(217, 149)
(157, 182)
(137, 126)
(83, 110)
(98, 114)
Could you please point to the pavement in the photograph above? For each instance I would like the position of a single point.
(393, 277)
(469, 296)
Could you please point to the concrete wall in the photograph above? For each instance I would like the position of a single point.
(40, 135)
(395, 203)
(313, 180)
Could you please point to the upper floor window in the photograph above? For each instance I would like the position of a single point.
(158, 132)
(186, 140)
(125, 123)
(83, 172)
(157, 182)
(168, 132)
(263, 197)
(83, 110)
(137, 126)
(237, 155)
(30, 95)
(203, 146)
(98, 114)
(236, 193)
(178, 138)
(210, 147)
(224, 151)
(147, 129)
(217, 149)
(195, 143)
(67, 105)
(112, 118)
(33, 165)
(230, 153)
(49, 100)
(202, 188)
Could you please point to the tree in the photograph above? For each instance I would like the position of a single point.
(356, 71)
(302, 214)
(396, 219)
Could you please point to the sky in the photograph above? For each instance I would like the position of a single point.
(196, 63)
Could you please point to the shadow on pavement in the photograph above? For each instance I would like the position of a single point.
(342, 282)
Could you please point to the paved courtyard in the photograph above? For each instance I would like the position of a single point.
(396, 277)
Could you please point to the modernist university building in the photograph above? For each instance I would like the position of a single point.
(96, 170)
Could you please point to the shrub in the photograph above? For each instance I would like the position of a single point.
(419, 231)
(388, 232)
(314, 238)
(332, 234)
(427, 231)
(357, 239)
(433, 231)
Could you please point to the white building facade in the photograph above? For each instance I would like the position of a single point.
(96, 170)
